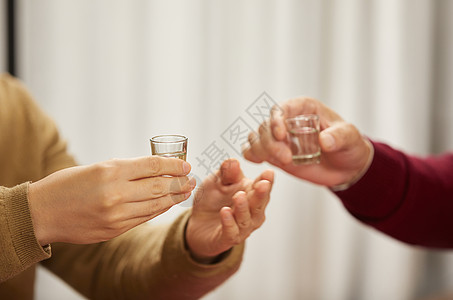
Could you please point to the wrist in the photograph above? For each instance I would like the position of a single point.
(198, 257)
(38, 215)
(360, 173)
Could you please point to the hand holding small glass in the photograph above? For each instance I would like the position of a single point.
(95, 203)
(346, 154)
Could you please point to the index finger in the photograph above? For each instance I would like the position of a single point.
(151, 166)
(259, 197)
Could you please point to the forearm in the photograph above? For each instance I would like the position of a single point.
(185, 278)
(148, 262)
(406, 197)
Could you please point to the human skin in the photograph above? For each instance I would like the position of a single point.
(227, 208)
(89, 204)
(346, 154)
(94, 203)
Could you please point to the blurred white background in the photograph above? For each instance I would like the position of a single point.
(114, 73)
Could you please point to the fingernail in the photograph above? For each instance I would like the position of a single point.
(261, 183)
(186, 167)
(192, 182)
(328, 141)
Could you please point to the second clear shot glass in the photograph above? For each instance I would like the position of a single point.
(169, 145)
(303, 134)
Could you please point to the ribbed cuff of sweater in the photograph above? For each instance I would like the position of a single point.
(22, 248)
(194, 279)
(175, 245)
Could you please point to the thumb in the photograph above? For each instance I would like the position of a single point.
(338, 137)
(230, 172)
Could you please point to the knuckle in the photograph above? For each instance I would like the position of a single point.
(106, 171)
(276, 109)
(349, 127)
(157, 186)
(245, 224)
(110, 232)
(112, 220)
(264, 128)
(346, 130)
(152, 207)
(110, 198)
(171, 200)
(257, 212)
(253, 138)
(155, 164)
(305, 101)
(177, 198)
(260, 221)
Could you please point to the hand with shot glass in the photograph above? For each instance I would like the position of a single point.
(344, 153)
(106, 199)
(406, 196)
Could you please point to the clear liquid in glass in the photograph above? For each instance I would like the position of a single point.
(304, 145)
(180, 155)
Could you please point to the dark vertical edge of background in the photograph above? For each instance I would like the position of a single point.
(11, 36)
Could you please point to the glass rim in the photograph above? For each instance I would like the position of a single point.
(178, 138)
(303, 117)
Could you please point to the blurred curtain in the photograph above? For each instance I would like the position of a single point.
(114, 73)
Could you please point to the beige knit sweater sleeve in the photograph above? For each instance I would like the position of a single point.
(30, 148)
(148, 262)
(19, 247)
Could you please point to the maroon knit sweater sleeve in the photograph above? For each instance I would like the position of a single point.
(407, 197)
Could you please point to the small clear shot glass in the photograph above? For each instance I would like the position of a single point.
(303, 139)
(169, 145)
